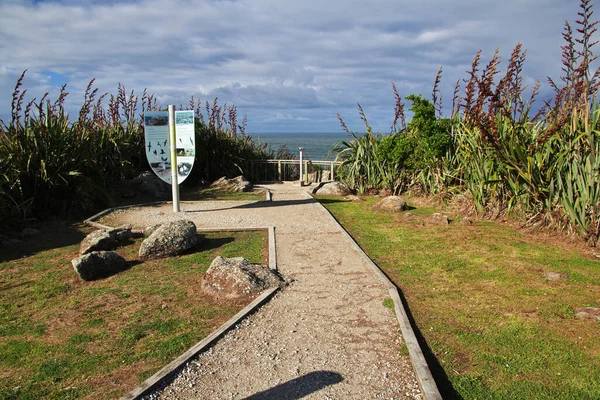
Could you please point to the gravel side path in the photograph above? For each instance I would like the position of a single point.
(326, 336)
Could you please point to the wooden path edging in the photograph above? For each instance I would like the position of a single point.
(152, 382)
(423, 373)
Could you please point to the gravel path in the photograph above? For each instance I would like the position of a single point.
(326, 336)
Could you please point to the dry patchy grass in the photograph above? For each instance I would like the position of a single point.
(61, 337)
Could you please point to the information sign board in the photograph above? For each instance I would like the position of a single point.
(158, 143)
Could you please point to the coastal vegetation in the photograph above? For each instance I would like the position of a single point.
(54, 164)
(495, 151)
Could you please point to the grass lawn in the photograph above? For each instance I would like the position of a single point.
(495, 328)
(63, 338)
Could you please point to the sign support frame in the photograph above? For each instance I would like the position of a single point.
(173, 148)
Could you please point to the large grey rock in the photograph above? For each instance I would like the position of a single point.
(98, 264)
(149, 183)
(169, 239)
(391, 203)
(106, 239)
(352, 197)
(237, 184)
(237, 278)
(96, 241)
(332, 189)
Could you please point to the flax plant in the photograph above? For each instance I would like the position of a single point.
(52, 164)
(360, 167)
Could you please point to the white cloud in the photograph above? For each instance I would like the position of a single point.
(309, 59)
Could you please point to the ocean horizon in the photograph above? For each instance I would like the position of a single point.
(317, 145)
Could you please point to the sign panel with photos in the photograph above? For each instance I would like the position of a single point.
(158, 143)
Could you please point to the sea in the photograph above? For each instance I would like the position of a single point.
(317, 146)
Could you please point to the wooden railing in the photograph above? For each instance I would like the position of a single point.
(314, 171)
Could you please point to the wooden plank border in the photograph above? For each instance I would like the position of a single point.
(423, 373)
(151, 383)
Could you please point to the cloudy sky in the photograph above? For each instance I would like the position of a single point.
(289, 65)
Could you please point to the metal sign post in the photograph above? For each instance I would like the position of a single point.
(174, 183)
(301, 149)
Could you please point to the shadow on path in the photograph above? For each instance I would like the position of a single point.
(299, 387)
(273, 203)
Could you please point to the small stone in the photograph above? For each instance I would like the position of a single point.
(237, 184)
(438, 219)
(391, 203)
(466, 221)
(332, 189)
(555, 276)
(352, 197)
(121, 233)
(588, 313)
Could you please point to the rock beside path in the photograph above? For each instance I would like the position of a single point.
(332, 189)
(170, 239)
(237, 278)
(106, 239)
(98, 264)
(391, 203)
(237, 184)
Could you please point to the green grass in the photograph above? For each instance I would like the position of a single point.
(497, 328)
(64, 338)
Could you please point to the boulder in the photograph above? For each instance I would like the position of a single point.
(466, 221)
(124, 232)
(97, 240)
(169, 239)
(332, 189)
(150, 229)
(237, 278)
(438, 219)
(98, 264)
(237, 184)
(391, 203)
(104, 239)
